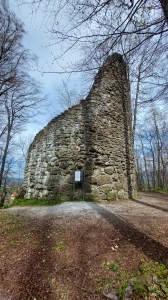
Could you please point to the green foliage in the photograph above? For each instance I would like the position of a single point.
(139, 288)
(112, 195)
(89, 199)
(61, 245)
(86, 199)
(114, 267)
(108, 197)
(150, 277)
(121, 290)
(160, 189)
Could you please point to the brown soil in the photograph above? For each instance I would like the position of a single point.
(66, 256)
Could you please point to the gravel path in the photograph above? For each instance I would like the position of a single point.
(147, 203)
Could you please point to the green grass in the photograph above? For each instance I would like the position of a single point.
(86, 199)
(8, 190)
(32, 202)
(41, 202)
(150, 277)
(61, 245)
(160, 189)
(113, 266)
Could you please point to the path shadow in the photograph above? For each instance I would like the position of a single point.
(151, 205)
(33, 283)
(151, 248)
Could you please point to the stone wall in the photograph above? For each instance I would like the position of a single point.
(94, 135)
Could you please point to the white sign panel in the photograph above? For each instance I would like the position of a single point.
(77, 176)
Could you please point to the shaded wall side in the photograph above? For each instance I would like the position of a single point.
(112, 172)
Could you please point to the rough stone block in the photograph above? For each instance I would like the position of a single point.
(109, 170)
(103, 179)
(121, 194)
(66, 189)
(114, 177)
(118, 185)
(93, 180)
(38, 186)
(106, 187)
(96, 172)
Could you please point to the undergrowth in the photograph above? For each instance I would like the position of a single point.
(160, 189)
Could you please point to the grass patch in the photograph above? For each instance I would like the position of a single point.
(32, 202)
(149, 280)
(61, 245)
(41, 202)
(114, 267)
(86, 199)
(160, 189)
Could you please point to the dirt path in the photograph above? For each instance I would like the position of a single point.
(64, 252)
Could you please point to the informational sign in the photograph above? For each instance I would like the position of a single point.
(78, 176)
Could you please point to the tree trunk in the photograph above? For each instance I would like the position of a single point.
(8, 137)
(164, 4)
(145, 165)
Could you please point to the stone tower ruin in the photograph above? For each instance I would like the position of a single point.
(95, 136)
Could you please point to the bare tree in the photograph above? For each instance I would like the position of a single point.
(152, 151)
(23, 144)
(101, 25)
(12, 52)
(20, 95)
(68, 94)
(93, 29)
(19, 104)
(148, 78)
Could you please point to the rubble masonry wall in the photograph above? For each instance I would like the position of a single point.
(94, 135)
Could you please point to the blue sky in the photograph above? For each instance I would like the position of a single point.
(36, 41)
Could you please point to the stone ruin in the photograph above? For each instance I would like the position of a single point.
(94, 135)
